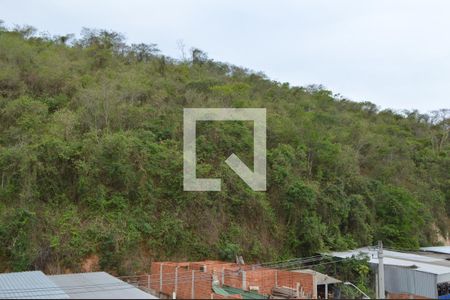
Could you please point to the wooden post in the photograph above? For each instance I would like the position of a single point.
(148, 282)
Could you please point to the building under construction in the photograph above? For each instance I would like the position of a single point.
(223, 280)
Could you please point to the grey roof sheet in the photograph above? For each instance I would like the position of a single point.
(26, 285)
(437, 249)
(97, 285)
(422, 263)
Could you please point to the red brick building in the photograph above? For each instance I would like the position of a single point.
(205, 280)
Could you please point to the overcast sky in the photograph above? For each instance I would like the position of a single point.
(393, 53)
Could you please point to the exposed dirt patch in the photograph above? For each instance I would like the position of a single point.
(90, 264)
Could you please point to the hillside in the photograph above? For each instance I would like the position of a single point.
(91, 161)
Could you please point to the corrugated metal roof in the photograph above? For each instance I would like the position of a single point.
(244, 294)
(373, 253)
(437, 249)
(405, 280)
(219, 290)
(433, 265)
(26, 285)
(97, 285)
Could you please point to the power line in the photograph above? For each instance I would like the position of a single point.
(288, 260)
(57, 293)
(297, 262)
(186, 278)
(203, 277)
(66, 287)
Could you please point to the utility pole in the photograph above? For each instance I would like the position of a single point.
(381, 291)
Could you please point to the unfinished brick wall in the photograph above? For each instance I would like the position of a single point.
(194, 280)
(163, 277)
(169, 278)
(264, 279)
(290, 279)
(231, 278)
(184, 287)
(211, 265)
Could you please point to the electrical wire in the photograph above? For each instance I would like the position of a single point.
(187, 278)
(57, 293)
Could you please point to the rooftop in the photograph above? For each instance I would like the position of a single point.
(37, 285)
(26, 285)
(98, 285)
(437, 249)
(421, 263)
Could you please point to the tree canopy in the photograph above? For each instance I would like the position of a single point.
(91, 161)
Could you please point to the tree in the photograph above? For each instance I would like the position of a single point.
(143, 52)
(91, 160)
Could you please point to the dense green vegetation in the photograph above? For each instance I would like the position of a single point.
(91, 161)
